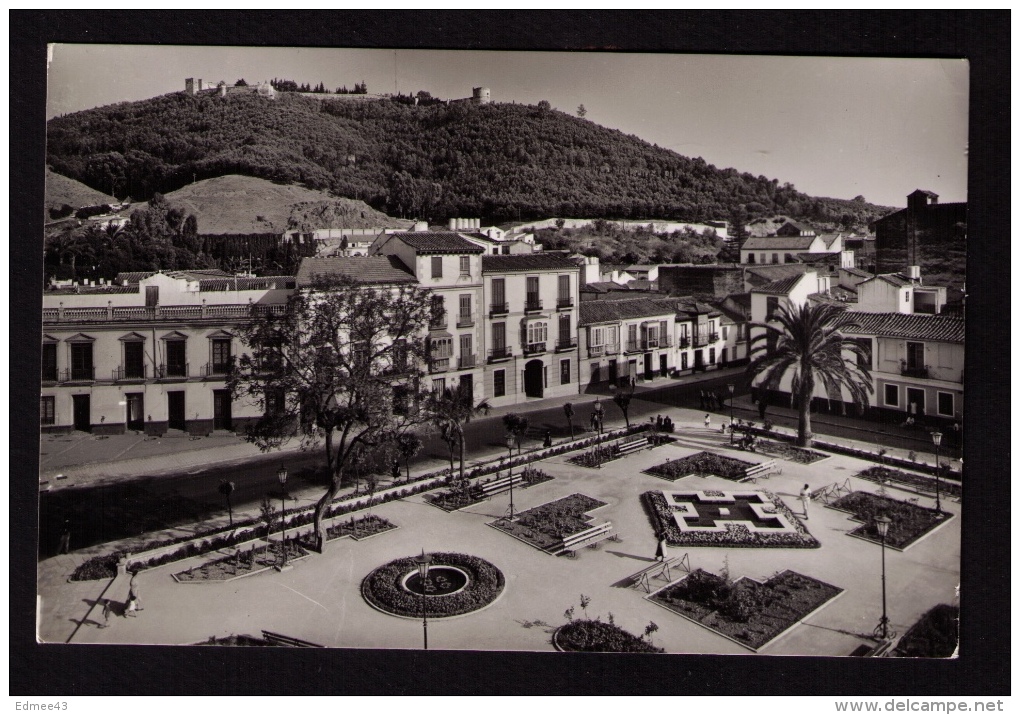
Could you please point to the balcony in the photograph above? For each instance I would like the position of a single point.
(600, 350)
(439, 324)
(499, 309)
(78, 374)
(701, 340)
(564, 344)
(564, 303)
(532, 305)
(135, 372)
(439, 364)
(497, 354)
(465, 321)
(685, 342)
(713, 337)
(214, 369)
(172, 371)
(51, 375)
(534, 348)
(465, 361)
(908, 371)
(655, 343)
(633, 346)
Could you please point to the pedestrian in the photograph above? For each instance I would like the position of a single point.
(65, 539)
(132, 607)
(762, 406)
(106, 613)
(661, 552)
(548, 439)
(805, 499)
(702, 396)
(658, 423)
(395, 470)
(708, 421)
(133, 592)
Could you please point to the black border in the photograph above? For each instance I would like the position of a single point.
(982, 669)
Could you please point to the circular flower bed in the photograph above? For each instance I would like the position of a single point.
(598, 637)
(384, 588)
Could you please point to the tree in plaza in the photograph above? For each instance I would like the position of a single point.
(338, 366)
(622, 399)
(808, 343)
(568, 410)
(517, 427)
(449, 410)
(408, 444)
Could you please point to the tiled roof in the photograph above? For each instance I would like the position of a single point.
(742, 299)
(828, 238)
(778, 243)
(817, 257)
(191, 274)
(92, 290)
(610, 311)
(829, 299)
(780, 287)
(857, 272)
(892, 279)
(941, 328)
(438, 242)
(265, 283)
(776, 271)
(527, 262)
(366, 269)
(695, 307)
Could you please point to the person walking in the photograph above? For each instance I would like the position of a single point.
(65, 539)
(661, 549)
(133, 594)
(805, 499)
(106, 613)
(708, 421)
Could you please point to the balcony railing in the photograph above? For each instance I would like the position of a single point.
(701, 340)
(499, 308)
(438, 324)
(218, 368)
(685, 342)
(465, 321)
(164, 372)
(534, 348)
(168, 312)
(633, 346)
(600, 350)
(532, 305)
(921, 372)
(77, 374)
(439, 364)
(465, 361)
(135, 372)
(564, 303)
(51, 375)
(566, 344)
(500, 354)
(713, 337)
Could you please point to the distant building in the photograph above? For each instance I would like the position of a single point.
(918, 233)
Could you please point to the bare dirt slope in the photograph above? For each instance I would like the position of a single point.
(61, 191)
(244, 204)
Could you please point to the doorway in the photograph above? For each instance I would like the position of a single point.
(135, 411)
(222, 418)
(82, 412)
(648, 366)
(612, 372)
(534, 373)
(915, 401)
(699, 360)
(175, 410)
(663, 367)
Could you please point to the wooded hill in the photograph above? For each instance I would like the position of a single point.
(500, 162)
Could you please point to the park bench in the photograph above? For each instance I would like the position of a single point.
(636, 445)
(498, 486)
(660, 569)
(591, 538)
(279, 639)
(761, 471)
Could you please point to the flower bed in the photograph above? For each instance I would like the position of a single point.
(747, 611)
(935, 635)
(909, 521)
(383, 588)
(547, 524)
(587, 636)
(242, 563)
(454, 499)
(359, 529)
(704, 463)
(880, 475)
(789, 452)
(238, 641)
(595, 458)
(795, 536)
(96, 568)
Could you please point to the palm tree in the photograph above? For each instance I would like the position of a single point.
(449, 410)
(808, 343)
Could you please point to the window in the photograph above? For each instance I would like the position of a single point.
(631, 337)
(438, 313)
(946, 404)
(711, 356)
(465, 309)
(775, 258)
(750, 258)
(499, 383)
(762, 256)
(865, 345)
(596, 337)
(81, 361)
(906, 296)
(467, 388)
(892, 395)
(465, 265)
(663, 334)
(221, 355)
(466, 350)
(564, 372)
(401, 401)
(49, 362)
(771, 306)
(563, 290)
(276, 401)
(498, 293)
(134, 359)
(176, 364)
(725, 332)
(532, 292)
(498, 336)
(683, 361)
(441, 347)
(538, 332)
(564, 331)
(437, 266)
(915, 356)
(439, 385)
(48, 410)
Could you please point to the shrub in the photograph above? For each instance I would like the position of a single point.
(598, 637)
(935, 635)
(96, 568)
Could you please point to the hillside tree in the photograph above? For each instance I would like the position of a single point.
(337, 368)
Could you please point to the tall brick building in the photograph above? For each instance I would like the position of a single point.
(922, 232)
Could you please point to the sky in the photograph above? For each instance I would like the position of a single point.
(835, 127)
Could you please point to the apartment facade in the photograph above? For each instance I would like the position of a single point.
(530, 321)
(152, 355)
(626, 340)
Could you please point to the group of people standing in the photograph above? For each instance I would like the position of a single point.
(712, 400)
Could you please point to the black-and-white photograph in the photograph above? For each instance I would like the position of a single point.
(503, 351)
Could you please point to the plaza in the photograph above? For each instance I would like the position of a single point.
(319, 600)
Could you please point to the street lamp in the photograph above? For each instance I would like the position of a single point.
(936, 437)
(423, 562)
(281, 475)
(882, 522)
(510, 472)
(731, 387)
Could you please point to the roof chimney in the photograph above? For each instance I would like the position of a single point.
(914, 273)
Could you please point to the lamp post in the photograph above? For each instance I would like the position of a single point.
(731, 387)
(510, 472)
(423, 562)
(936, 437)
(882, 522)
(281, 475)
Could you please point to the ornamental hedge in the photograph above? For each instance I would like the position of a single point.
(587, 636)
(382, 588)
(702, 463)
(909, 522)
